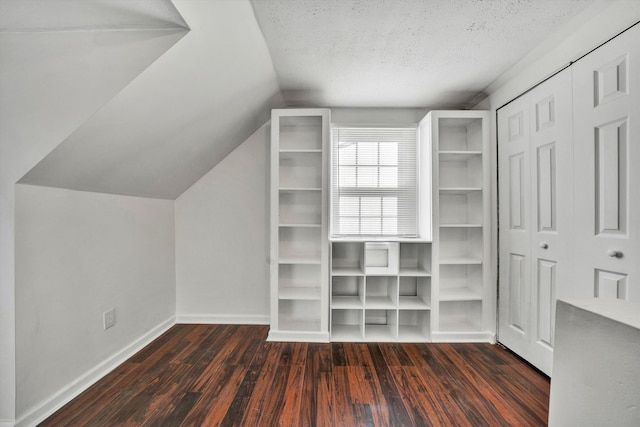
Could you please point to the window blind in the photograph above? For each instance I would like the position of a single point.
(374, 181)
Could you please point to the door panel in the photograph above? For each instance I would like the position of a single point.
(607, 155)
(534, 140)
(515, 270)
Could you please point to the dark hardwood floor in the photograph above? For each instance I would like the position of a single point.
(209, 375)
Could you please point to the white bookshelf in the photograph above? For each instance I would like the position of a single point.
(372, 303)
(462, 299)
(299, 225)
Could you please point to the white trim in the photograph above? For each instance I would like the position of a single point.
(224, 319)
(48, 406)
(298, 336)
(5, 423)
(463, 337)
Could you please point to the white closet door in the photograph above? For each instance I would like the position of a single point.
(514, 186)
(607, 170)
(535, 160)
(551, 210)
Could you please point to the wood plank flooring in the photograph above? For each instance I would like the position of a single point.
(228, 375)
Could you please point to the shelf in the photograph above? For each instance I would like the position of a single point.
(339, 302)
(458, 155)
(300, 225)
(459, 294)
(459, 190)
(379, 303)
(294, 189)
(299, 260)
(347, 271)
(300, 150)
(414, 272)
(460, 260)
(299, 293)
(412, 303)
(460, 225)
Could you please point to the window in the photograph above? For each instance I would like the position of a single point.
(374, 181)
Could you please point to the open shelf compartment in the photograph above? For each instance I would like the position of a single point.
(380, 325)
(415, 259)
(414, 326)
(347, 258)
(300, 208)
(460, 316)
(300, 133)
(300, 170)
(347, 292)
(299, 245)
(347, 325)
(460, 134)
(414, 293)
(299, 315)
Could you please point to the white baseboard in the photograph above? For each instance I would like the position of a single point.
(48, 406)
(461, 337)
(224, 319)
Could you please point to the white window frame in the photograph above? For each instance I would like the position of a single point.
(407, 214)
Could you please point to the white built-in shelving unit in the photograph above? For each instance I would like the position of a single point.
(299, 225)
(380, 291)
(463, 302)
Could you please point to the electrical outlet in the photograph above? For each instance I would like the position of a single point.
(109, 318)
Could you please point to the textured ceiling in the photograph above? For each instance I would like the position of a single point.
(401, 53)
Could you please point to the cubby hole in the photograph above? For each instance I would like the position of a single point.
(460, 282)
(380, 325)
(460, 316)
(300, 208)
(415, 259)
(414, 293)
(299, 244)
(300, 170)
(460, 171)
(347, 292)
(461, 245)
(381, 258)
(381, 292)
(414, 325)
(300, 133)
(347, 258)
(299, 281)
(347, 325)
(299, 315)
(460, 134)
(461, 209)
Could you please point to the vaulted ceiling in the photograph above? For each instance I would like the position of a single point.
(219, 66)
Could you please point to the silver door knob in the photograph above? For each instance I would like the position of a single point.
(614, 254)
(544, 245)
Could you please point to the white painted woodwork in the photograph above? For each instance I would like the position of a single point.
(299, 260)
(536, 190)
(463, 302)
(371, 302)
(607, 154)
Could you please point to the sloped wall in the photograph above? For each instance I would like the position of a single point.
(222, 240)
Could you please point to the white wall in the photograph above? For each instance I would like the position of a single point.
(79, 254)
(49, 84)
(222, 239)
